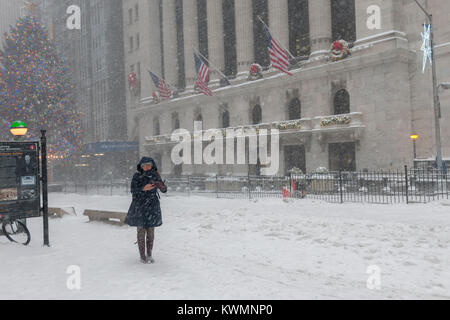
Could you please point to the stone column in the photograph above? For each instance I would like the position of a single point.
(320, 26)
(190, 31)
(279, 21)
(215, 36)
(244, 35)
(170, 42)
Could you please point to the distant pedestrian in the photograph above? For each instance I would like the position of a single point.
(145, 210)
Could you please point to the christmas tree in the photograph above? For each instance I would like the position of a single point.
(35, 87)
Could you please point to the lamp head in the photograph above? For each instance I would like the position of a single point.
(19, 129)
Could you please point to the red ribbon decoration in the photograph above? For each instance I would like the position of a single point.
(338, 45)
(132, 79)
(254, 69)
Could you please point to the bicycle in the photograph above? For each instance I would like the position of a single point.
(16, 231)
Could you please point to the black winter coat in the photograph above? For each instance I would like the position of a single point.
(145, 210)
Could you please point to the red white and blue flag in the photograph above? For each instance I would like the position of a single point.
(202, 76)
(164, 92)
(278, 56)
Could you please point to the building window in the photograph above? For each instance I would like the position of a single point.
(342, 102)
(138, 41)
(130, 16)
(202, 27)
(342, 157)
(299, 42)
(229, 33)
(178, 170)
(136, 12)
(161, 34)
(139, 77)
(156, 127)
(343, 20)
(180, 44)
(175, 121)
(257, 114)
(131, 44)
(294, 157)
(199, 118)
(295, 112)
(260, 9)
(225, 119)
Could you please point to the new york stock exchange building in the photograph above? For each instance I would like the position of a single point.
(356, 93)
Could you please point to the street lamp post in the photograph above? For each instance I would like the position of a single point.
(437, 107)
(44, 179)
(414, 138)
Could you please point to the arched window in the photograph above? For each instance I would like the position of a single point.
(295, 111)
(225, 119)
(343, 20)
(341, 102)
(257, 114)
(175, 121)
(156, 127)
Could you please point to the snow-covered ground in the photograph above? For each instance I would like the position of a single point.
(238, 249)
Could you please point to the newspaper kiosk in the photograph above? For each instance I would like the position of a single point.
(19, 180)
(20, 184)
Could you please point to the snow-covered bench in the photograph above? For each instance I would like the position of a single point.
(106, 216)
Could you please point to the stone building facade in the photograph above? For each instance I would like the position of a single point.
(353, 114)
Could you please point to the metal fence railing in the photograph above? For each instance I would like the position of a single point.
(406, 186)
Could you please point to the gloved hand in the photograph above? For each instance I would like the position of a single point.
(162, 186)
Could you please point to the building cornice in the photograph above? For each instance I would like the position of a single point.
(279, 80)
(388, 34)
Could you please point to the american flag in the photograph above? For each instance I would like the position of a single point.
(278, 56)
(164, 92)
(202, 76)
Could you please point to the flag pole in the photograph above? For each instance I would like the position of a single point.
(217, 69)
(262, 21)
(170, 85)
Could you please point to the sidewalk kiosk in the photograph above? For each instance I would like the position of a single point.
(23, 182)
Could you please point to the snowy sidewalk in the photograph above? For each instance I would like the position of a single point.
(237, 249)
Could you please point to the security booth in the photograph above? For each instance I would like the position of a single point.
(20, 192)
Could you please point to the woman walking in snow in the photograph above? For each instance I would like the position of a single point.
(145, 210)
